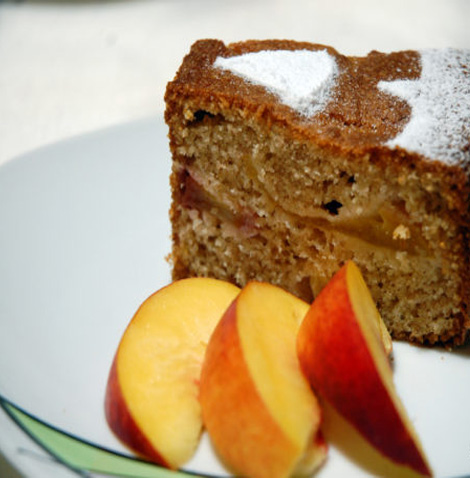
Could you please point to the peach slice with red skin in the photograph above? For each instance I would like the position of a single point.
(258, 408)
(341, 351)
(152, 393)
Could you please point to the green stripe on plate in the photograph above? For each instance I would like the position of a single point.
(80, 455)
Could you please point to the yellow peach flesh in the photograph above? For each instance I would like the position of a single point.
(258, 408)
(366, 314)
(159, 361)
(269, 351)
(341, 351)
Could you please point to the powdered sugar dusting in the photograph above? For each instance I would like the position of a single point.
(302, 79)
(439, 127)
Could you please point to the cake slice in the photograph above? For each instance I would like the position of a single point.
(290, 159)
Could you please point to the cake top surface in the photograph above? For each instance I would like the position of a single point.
(440, 106)
(412, 101)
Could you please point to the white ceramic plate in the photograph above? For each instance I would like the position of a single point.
(83, 239)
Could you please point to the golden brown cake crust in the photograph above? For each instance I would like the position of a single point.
(359, 119)
(356, 123)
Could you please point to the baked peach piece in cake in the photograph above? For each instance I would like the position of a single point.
(290, 159)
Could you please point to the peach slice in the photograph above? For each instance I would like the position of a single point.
(152, 400)
(341, 352)
(257, 406)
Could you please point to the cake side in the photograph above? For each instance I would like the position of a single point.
(263, 192)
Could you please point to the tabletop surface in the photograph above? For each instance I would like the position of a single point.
(72, 67)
